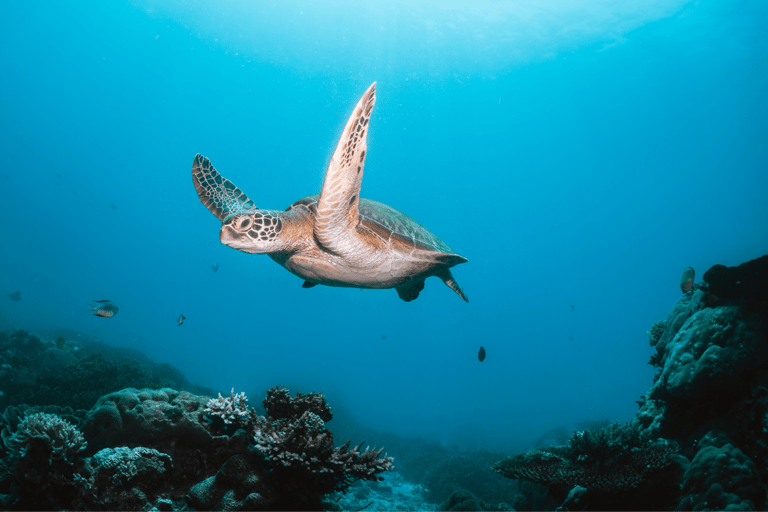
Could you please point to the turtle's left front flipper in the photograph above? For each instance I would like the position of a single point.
(216, 192)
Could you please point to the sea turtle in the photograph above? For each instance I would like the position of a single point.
(336, 238)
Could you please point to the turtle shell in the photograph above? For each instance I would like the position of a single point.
(387, 223)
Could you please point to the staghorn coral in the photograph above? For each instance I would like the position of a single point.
(614, 459)
(233, 409)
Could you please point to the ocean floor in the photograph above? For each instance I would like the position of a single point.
(393, 493)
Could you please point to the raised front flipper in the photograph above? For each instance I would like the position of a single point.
(337, 208)
(217, 193)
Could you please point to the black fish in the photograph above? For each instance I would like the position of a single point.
(181, 320)
(481, 354)
(15, 296)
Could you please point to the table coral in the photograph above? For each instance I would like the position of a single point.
(614, 459)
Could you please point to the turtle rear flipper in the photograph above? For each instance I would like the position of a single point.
(410, 290)
(450, 282)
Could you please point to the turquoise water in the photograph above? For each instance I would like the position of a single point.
(580, 155)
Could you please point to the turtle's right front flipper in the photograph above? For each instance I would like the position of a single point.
(217, 193)
(338, 205)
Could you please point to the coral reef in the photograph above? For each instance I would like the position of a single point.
(614, 459)
(279, 404)
(709, 398)
(124, 479)
(747, 283)
(148, 448)
(63, 440)
(39, 371)
(299, 450)
(238, 485)
(41, 459)
(711, 394)
(233, 409)
(705, 483)
(657, 329)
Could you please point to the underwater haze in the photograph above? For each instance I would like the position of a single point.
(579, 154)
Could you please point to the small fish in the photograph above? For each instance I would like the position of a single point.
(104, 308)
(15, 296)
(215, 267)
(481, 354)
(686, 280)
(181, 319)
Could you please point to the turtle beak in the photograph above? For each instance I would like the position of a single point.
(228, 235)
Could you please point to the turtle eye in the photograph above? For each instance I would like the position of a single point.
(243, 223)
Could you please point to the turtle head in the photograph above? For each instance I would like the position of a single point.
(253, 232)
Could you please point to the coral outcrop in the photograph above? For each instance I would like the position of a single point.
(711, 393)
(300, 454)
(124, 479)
(148, 448)
(709, 398)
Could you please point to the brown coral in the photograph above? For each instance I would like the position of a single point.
(280, 404)
(299, 447)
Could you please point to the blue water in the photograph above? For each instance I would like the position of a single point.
(580, 155)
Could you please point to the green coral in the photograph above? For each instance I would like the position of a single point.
(613, 459)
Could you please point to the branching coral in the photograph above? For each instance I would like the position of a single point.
(63, 439)
(299, 446)
(614, 459)
(233, 409)
(280, 404)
